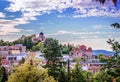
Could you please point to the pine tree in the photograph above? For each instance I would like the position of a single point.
(52, 54)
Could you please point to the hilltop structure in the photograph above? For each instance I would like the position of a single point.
(41, 37)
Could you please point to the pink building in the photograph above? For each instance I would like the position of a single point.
(90, 62)
(12, 55)
(41, 37)
(5, 63)
(83, 52)
(17, 49)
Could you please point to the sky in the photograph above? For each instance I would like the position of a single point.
(78, 22)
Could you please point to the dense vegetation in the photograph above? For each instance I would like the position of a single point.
(30, 71)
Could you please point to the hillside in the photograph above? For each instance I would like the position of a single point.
(105, 52)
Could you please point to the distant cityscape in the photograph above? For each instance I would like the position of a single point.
(11, 55)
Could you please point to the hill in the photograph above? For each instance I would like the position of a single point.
(105, 52)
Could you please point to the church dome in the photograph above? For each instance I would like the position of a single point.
(41, 33)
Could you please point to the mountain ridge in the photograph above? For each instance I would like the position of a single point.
(104, 52)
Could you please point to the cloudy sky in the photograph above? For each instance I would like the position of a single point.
(74, 21)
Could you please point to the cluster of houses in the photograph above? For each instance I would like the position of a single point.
(13, 54)
(87, 59)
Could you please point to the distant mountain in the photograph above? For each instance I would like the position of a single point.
(105, 52)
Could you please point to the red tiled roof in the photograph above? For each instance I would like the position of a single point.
(105, 56)
(89, 49)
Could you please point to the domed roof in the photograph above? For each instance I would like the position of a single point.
(41, 33)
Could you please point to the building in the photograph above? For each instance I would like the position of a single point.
(83, 52)
(41, 37)
(12, 55)
(88, 60)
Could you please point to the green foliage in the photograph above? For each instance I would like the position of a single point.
(112, 68)
(77, 74)
(52, 54)
(26, 41)
(115, 45)
(88, 75)
(118, 79)
(5, 43)
(101, 58)
(66, 49)
(52, 49)
(62, 76)
(102, 76)
(39, 46)
(36, 48)
(3, 75)
(68, 76)
(116, 25)
(30, 73)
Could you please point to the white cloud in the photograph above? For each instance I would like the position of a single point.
(98, 27)
(30, 30)
(61, 16)
(2, 15)
(61, 32)
(83, 7)
(8, 26)
(8, 30)
(32, 8)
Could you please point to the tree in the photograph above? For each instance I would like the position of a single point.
(3, 75)
(5, 43)
(41, 44)
(38, 47)
(118, 79)
(116, 25)
(26, 41)
(88, 75)
(30, 72)
(100, 56)
(102, 76)
(62, 76)
(52, 54)
(112, 68)
(66, 49)
(77, 74)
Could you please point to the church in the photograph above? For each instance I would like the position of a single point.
(41, 37)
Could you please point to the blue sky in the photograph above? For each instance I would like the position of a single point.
(69, 21)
